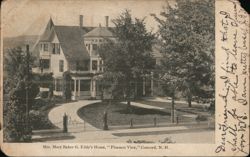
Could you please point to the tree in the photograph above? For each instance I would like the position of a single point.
(21, 93)
(128, 57)
(186, 33)
(66, 85)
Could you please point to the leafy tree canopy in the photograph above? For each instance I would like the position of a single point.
(186, 34)
(21, 90)
(127, 57)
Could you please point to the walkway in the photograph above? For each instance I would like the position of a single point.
(179, 134)
(159, 99)
(75, 122)
(183, 114)
(144, 105)
(91, 134)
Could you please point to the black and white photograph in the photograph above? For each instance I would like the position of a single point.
(109, 71)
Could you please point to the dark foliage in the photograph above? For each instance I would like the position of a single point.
(66, 86)
(128, 57)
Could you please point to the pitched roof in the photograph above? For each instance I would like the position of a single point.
(100, 32)
(47, 34)
(70, 38)
(72, 43)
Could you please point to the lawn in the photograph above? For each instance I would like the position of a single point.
(119, 115)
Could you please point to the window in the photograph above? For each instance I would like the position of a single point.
(85, 85)
(61, 66)
(58, 84)
(45, 63)
(45, 47)
(94, 46)
(41, 47)
(94, 65)
(55, 48)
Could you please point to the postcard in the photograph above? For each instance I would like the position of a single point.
(124, 78)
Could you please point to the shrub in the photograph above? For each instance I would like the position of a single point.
(44, 94)
(201, 118)
(39, 120)
(66, 86)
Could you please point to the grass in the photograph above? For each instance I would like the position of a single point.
(119, 115)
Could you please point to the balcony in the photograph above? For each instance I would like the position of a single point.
(38, 70)
(80, 72)
(45, 55)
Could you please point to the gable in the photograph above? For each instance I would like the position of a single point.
(72, 43)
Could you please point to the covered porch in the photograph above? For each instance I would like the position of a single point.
(84, 88)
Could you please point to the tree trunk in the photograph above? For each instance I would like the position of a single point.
(189, 100)
(172, 109)
(135, 93)
(128, 94)
(128, 97)
(128, 103)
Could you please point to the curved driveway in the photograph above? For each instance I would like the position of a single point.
(70, 109)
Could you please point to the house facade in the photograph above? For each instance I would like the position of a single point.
(74, 49)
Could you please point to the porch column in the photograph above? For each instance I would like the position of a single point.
(152, 83)
(90, 65)
(98, 65)
(75, 88)
(79, 90)
(93, 88)
(143, 86)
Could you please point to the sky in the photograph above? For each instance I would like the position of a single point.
(30, 17)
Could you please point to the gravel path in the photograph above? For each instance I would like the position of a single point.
(144, 105)
(74, 121)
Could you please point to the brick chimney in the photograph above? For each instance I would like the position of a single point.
(81, 20)
(107, 21)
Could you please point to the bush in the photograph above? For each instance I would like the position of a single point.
(66, 86)
(201, 118)
(39, 120)
(212, 106)
(44, 94)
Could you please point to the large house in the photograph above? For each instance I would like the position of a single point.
(74, 49)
